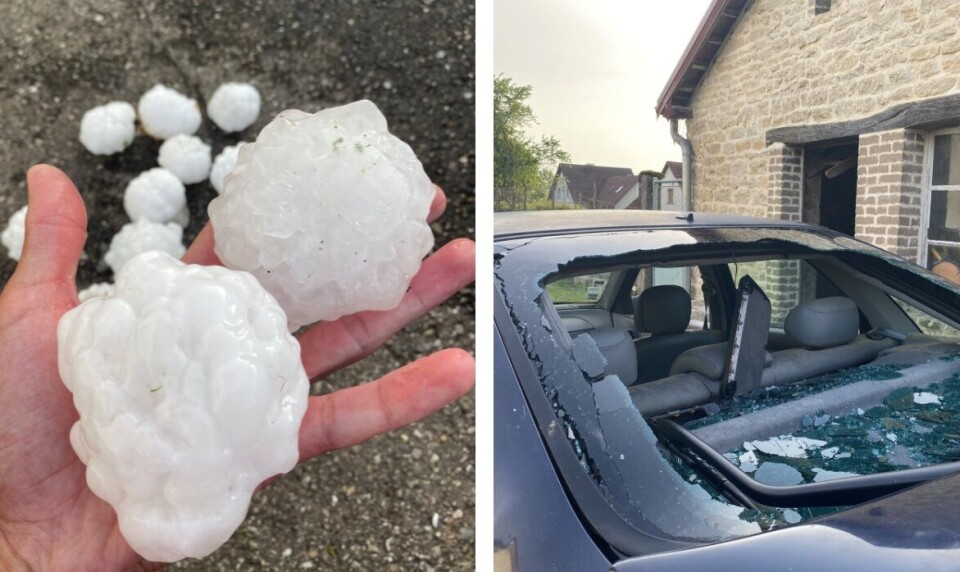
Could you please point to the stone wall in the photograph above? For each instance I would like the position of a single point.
(785, 66)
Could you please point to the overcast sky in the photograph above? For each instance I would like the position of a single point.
(597, 68)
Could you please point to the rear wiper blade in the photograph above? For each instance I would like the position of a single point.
(841, 492)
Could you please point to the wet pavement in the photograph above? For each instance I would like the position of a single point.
(403, 501)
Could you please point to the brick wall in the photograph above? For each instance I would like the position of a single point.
(784, 65)
(785, 182)
(889, 191)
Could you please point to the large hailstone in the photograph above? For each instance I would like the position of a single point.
(222, 166)
(97, 290)
(190, 392)
(140, 236)
(157, 195)
(187, 157)
(328, 211)
(234, 106)
(13, 235)
(108, 129)
(165, 112)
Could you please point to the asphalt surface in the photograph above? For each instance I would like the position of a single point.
(371, 507)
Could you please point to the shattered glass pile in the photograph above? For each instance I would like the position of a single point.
(910, 428)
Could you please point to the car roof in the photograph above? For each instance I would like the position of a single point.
(544, 223)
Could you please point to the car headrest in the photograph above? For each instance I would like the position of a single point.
(617, 348)
(823, 323)
(662, 310)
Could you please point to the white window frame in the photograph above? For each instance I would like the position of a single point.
(927, 190)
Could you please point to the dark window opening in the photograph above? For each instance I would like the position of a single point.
(821, 6)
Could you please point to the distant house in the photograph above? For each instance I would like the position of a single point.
(843, 113)
(590, 186)
(671, 187)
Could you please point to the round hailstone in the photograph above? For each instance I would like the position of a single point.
(141, 236)
(157, 195)
(12, 236)
(187, 157)
(98, 290)
(190, 392)
(222, 166)
(328, 211)
(166, 112)
(108, 129)
(234, 106)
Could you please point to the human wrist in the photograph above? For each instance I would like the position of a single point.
(9, 559)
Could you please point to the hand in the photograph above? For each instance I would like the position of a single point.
(49, 519)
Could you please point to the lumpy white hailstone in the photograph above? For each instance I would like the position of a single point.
(328, 211)
(98, 290)
(222, 166)
(187, 157)
(190, 392)
(141, 236)
(234, 106)
(157, 195)
(165, 112)
(12, 236)
(108, 129)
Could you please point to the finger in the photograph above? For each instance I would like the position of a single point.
(331, 345)
(438, 205)
(351, 416)
(56, 228)
(201, 250)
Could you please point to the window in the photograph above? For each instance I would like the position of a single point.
(670, 196)
(786, 283)
(941, 232)
(583, 289)
(927, 323)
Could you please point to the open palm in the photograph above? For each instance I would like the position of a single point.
(49, 519)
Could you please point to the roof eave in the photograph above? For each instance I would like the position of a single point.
(700, 53)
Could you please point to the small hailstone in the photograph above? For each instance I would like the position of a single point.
(12, 236)
(328, 211)
(187, 157)
(222, 166)
(157, 195)
(98, 290)
(234, 106)
(141, 236)
(190, 393)
(108, 129)
(165, 112)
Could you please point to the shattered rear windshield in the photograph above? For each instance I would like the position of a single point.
(668, 492)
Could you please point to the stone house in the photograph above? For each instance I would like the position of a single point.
(844, 113)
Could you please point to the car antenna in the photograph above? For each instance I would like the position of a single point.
(688, 217)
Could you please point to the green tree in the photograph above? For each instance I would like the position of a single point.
(521, 166)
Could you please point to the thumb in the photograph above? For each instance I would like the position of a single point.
(56, 228)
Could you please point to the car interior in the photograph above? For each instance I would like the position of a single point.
(737, 355)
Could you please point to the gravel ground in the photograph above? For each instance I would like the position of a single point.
(371, 507)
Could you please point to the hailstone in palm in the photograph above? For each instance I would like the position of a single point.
(165, 112)
(143, 235)
(328, 211)
(157, 195)
(108, 129)
(222, 166)
(190, 393)
(187, 157)
(234, 106)
(97, 290)
(12, 236)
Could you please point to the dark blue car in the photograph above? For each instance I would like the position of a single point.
(713, 392)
